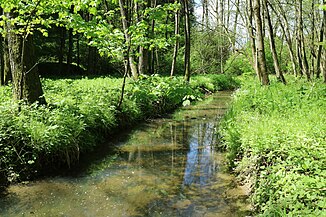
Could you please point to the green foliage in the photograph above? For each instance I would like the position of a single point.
(208, 50)
(238, 64)
(79, 113)
(214, 82)
(241, 63)
(275, 137)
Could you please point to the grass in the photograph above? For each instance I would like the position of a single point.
(80, 112)
(276, 139)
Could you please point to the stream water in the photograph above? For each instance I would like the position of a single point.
(165, 167)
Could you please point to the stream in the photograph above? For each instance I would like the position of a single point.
(165, 167)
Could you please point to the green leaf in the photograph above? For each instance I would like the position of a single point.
(186, 103)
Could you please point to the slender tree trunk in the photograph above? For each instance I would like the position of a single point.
(78, 50)
(204, 2)
(222, 13)
(132, 65)
(1, 58)
(206, 14)
(62, 48)
(151, 55)
(217, 11)
(323, 66)
(6, 62)
(235, 24)
(70, 45)
(286, 31)
(157, 57)
(260, 44)
(26, 81)
(277, 68)
(91, 60)
(299, 58)
(312, 45)
(176, 45)
(320, 46)
(142, 59)
(250, 28)
(228, 14)
(70, 48)
(187, 41)
(126, 72)
(302, 48)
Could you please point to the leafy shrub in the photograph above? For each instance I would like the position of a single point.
(276, 139)
(208, 50)
(238, 64)
(241, 62)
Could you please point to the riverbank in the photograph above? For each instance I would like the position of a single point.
(275, 138)
(167, 166)
(80, 112)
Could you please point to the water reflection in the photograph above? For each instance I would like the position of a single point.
(200, 166)
(168, 167)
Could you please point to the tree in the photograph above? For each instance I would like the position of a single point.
(26, 81)
(279, 73)
(261, 60)
(187, 40)
(320, 46)
(301, 41)
(132, 65)
(285, 26)
(176, 45)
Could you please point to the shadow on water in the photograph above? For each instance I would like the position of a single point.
(165, 167)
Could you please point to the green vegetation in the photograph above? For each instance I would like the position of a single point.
(275, 137)
(80, 112)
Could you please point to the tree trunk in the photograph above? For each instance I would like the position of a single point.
(250, 28)
(187, 41)
(6, 62)
(92, 59)
(299, 58)
(151, 55)
(277, 68)
(320, 47)
(286, 31)
(70, 45)
(143, 56)
(132, 65)
(261, 60)
(142, 60)
(312, 45)
(323, 66)
(70, 48)
(235, 24)
(302, 49)
(1, 59)
(78, 50)
(62, 47)
(206, 14)
(26, 81)
(176, 45)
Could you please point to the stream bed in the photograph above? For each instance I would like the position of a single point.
(165, 167)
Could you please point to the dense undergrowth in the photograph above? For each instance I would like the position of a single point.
(276, 139)
(80, 113)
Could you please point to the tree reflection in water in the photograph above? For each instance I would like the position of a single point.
(200, 165)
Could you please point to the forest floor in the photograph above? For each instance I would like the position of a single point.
(276, 141)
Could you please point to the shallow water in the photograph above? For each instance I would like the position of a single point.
(166, 167)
